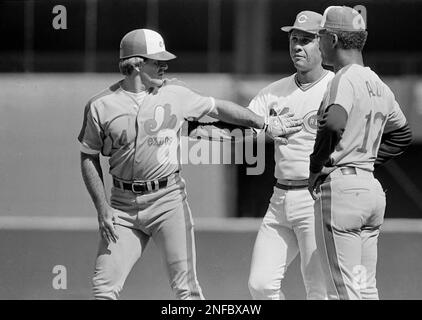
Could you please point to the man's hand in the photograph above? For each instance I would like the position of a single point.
(106, 224)
(314, 183)
(316, 179)
(283, 125)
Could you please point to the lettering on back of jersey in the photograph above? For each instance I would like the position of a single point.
(374, 126)
(374, 88)
(163, 119)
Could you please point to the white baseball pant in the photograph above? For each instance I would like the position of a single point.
(165, 217)
(286, 230)
(349, 214)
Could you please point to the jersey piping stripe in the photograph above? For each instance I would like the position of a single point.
(330, 244)
(324, 254)
(109, 90)
(193, 285)
(335, 84)
(82, 133)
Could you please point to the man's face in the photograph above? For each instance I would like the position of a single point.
(155, 68)
(326, 47)
(304, 50)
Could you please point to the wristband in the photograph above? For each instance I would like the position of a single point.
(265, 127)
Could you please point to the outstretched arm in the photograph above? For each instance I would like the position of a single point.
(275, 126)
(218, 131)
(231, 112)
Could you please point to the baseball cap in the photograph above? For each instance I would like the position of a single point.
(343, 18)
(145, 43)
(308, 21)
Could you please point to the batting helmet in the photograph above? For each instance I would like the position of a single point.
(145, 43)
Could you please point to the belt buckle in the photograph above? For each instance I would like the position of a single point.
(137, 184)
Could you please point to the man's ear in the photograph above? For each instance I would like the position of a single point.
(139, 65)
(335, 40)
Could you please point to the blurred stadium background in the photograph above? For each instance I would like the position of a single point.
(226, 48)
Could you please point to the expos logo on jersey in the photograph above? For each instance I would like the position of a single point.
(163, 119)
(161, 128)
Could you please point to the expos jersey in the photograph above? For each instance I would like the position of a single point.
(371, 108)
(287, 95)
(140, 133)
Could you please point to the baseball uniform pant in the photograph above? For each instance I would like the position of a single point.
(164, 216)
(286, 230)
(349, 214)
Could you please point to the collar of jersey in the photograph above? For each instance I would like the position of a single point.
(134, 96)
(305, 87)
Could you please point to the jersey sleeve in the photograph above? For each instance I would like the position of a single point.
(341, 92)
(396, 119)
(91, 132)
(194, 105)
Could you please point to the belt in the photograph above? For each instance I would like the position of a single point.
(342, 171)
(142, 186)
(300, 184)
(292, 184)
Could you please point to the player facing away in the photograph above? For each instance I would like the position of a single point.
(360, 124)
(137, 123)
(288, 225)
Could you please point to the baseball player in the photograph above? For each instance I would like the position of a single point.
(137, 123)
(359, 124)
(288, 226)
